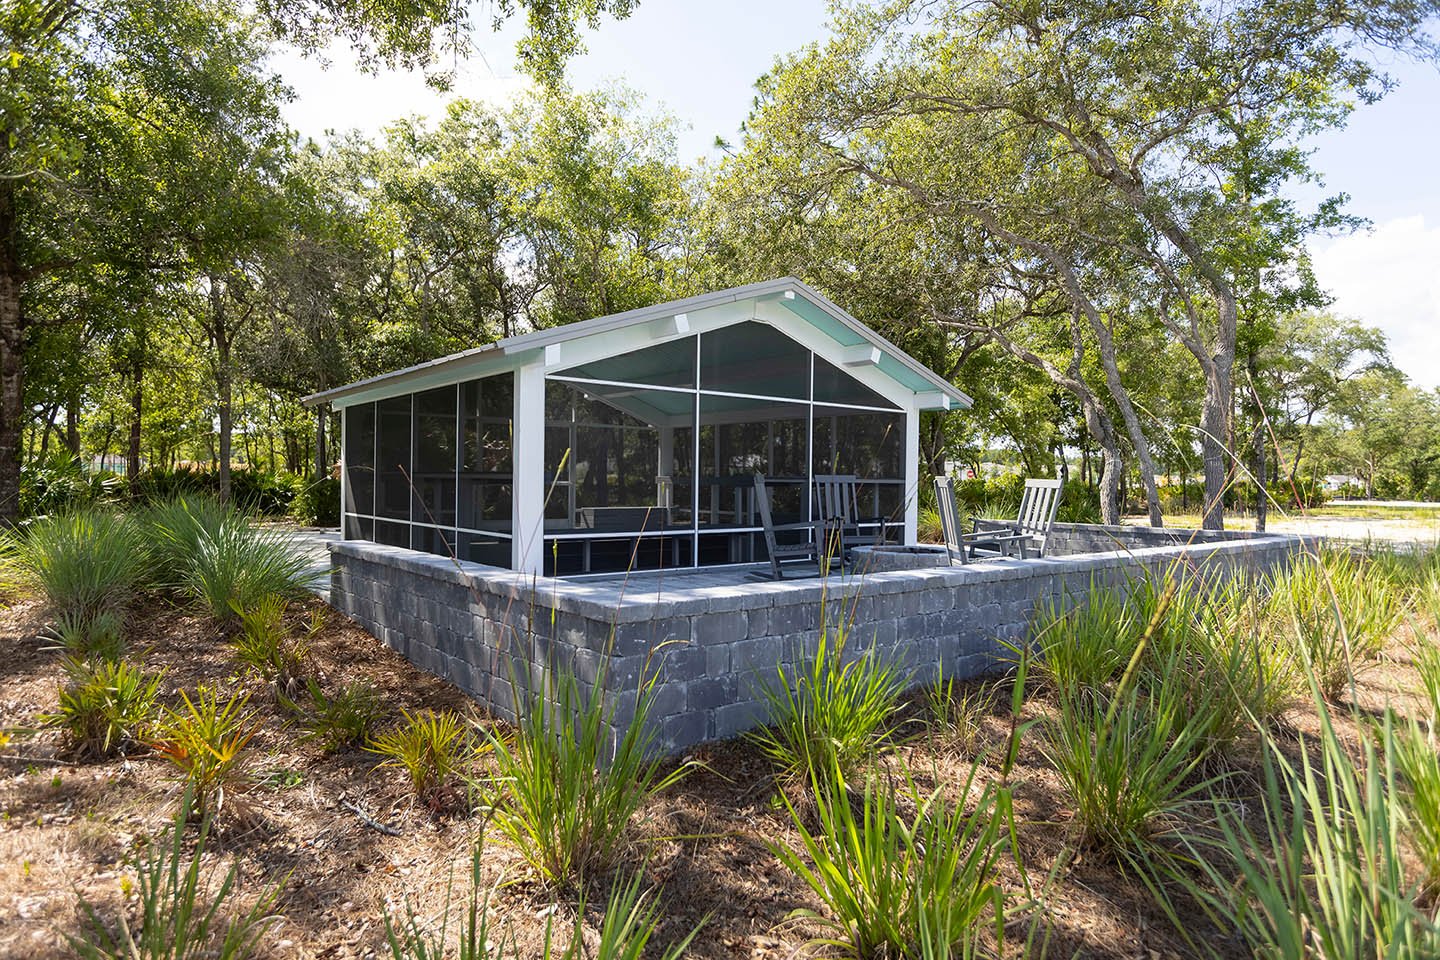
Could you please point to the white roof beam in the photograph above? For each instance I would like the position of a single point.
(860, 355)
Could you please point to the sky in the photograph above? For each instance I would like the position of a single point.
(699, 62)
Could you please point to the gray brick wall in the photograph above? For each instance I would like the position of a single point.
(490, 631)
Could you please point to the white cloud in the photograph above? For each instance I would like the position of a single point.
(1389, 277)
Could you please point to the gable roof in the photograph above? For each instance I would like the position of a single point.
(798, 297)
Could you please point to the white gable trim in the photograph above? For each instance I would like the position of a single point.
(578, 343)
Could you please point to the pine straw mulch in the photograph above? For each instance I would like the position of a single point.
(66, 828)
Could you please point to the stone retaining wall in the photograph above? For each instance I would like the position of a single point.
(490, 631)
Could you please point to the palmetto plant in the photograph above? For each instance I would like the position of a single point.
(345, 718)
(268, 646)
(207, 738)
(105, 707)
(99, 634)
(434, 749)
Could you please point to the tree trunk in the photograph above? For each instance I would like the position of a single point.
(1262, 496)
(221, 337)
(1215, 426)
(12, 392)
(137, 407)
(1111, 468)
(50, 412)
(72, 424)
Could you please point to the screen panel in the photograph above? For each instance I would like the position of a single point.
(392, 488)
(360, 460)
(754, 358)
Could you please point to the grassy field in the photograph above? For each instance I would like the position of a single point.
(1100, 800)
(1424, 518)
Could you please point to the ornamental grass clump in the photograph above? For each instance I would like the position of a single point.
(1128, 762)
(106, 707)
(1087, 645)
(1417, 765)
(86, 563)
(215, 555)
(1335, 882)
(180, 912)
(901, 873)
(568, 783)
(832, 711)
(1337, 617)
(631, 917)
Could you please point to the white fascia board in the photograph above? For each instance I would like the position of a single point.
(473, 368)
(611, 343)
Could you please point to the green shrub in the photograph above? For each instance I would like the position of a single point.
(346, 719)
(105, 707)
(1338, 617)
(220, 559)
(1335, 883)
(85, 562)
(208, 741)
(100, 635)
(434, 750)
(833, 713)
(317, 503)
(897, 883)
(563, 798)
(181, 914)
(61, 484)
(253, 491)
(269, 647)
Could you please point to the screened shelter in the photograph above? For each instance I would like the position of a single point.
(632, 441)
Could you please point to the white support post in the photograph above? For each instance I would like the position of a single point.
(666, 465)
(344, 479)
(912, 475)
(528, 546)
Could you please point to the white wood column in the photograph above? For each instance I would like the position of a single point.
(912, 474)
(528, 546)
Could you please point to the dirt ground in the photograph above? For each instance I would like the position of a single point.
(65, 828)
